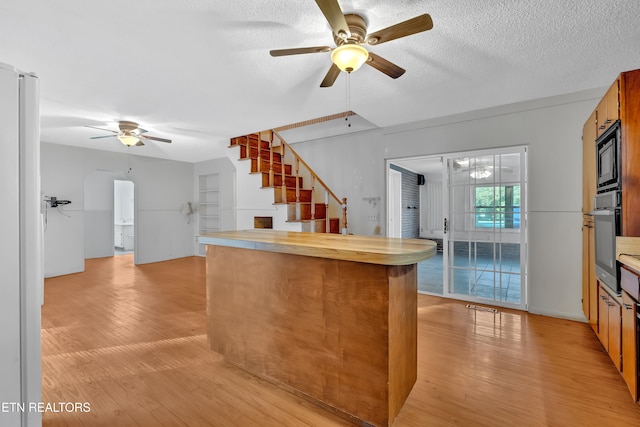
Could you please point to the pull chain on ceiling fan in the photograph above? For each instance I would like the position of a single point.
(130, 134)
(349, 34)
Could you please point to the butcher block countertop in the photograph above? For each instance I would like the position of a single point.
(367, 249)
(628, 251)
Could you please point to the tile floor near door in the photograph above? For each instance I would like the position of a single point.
(488, 280)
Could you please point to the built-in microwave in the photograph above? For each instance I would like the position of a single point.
(608, 171)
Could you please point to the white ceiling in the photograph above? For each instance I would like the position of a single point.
(199, 71)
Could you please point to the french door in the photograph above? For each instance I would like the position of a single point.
(484, 245)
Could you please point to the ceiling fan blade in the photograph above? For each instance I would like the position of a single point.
(139, 144)
(155, 138)
(106, 136)
(331, 76)
(381, 64)
(299, 50)
(333, 13)
(412, 26)
(140, 130)
(108, 130)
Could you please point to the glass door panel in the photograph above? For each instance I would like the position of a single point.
(485, 236)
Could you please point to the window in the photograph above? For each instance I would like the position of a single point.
(497, 206)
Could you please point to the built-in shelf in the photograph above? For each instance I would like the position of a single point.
(208, 206)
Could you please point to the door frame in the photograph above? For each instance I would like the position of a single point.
(394, 203)
(524, 259)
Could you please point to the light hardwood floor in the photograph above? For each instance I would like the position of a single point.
(131, 341)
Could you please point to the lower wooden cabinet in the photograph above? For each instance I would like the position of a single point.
(610, 325)
(589, 282)
(629, 346)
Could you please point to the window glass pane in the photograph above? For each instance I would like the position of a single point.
(497, 206)
(509, 168)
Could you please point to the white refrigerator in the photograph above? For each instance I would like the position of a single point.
(21, 267)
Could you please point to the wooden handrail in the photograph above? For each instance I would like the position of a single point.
(314, 178)
(311, 171)
(270, 167)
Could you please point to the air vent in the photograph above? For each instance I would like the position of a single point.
(481, 308)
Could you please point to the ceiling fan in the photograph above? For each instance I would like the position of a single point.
(129, 134)
(480, 169)
(349, 34)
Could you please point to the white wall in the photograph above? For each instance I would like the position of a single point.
(354, 167)
(161, 186)
(98, 213)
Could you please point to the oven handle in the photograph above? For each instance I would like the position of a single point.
(603, 212)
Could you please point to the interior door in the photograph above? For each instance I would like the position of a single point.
(485, 240)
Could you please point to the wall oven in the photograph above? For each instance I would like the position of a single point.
(606, 223)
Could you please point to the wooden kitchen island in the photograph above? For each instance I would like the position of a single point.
(331, 318)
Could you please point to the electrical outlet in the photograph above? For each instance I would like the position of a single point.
(372, 217)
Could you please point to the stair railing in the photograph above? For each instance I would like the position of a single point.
(315, 179)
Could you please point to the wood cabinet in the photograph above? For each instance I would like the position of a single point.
(621, 101)
(331, 318)
(589, 282)
(629, 346)
(613, 317)
(630, 146)
(610, 325)
(615, 333)
(608, 110)
(630, 282)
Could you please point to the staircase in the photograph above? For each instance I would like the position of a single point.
(276, 189)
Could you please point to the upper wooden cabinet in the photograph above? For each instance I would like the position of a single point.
(608, 110)
(589, 135)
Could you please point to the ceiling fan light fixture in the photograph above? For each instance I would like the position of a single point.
(128, 140)
(480, 173)
(349, 57)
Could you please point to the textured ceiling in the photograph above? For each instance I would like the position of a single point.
(199, 71)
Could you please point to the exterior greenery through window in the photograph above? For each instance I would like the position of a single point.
(497, 206)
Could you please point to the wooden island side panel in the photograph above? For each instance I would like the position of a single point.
(341, 333)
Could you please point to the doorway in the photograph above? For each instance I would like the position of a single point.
(103, 209)
(123, 217)
(428, 189)
(473, 205)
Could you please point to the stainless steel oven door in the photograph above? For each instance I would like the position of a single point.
(606, 226)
